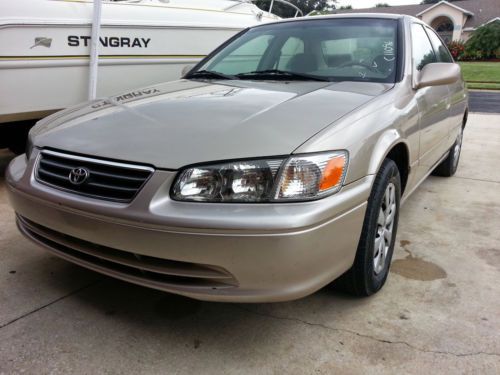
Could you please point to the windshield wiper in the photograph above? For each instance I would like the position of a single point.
(280, 74)
(210, 74)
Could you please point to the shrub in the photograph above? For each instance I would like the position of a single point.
(474, 55)
(484, 42)
(457, 49)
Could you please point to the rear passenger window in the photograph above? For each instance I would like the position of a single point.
(422, 51)
(441, 50)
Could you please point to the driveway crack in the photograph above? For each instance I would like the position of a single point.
(50, 303)
(476, 179)
(373, 338)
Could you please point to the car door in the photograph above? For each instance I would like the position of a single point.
(458, 96)
(433, 103)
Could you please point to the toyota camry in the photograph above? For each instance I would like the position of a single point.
(275, 166)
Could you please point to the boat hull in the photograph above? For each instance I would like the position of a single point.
(44, 62)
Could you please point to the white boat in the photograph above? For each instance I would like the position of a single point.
(45, 47)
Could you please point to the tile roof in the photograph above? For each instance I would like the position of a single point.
(483, 10)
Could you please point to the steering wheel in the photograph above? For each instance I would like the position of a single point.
(355, 63)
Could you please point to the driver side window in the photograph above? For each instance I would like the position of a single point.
(422, 51)
(441, 50)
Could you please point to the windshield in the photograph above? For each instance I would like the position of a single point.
(354, 49)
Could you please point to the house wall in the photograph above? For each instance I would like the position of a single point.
(457, 17)
(466, 35)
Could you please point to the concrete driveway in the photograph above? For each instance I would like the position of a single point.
(438, 313)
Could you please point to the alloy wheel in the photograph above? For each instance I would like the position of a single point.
(457, 148)
(385, 225)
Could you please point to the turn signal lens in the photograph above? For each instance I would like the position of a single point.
(333, 173)
(307, 177)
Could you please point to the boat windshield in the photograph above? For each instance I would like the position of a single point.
(347, 49)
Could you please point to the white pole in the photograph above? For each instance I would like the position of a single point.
(94, 49)
(271, 6)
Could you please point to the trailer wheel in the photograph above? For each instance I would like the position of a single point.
(14, 135)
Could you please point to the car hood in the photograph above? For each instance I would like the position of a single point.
(185, 122)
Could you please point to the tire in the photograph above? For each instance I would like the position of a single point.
(448, 166)
(371, 266)
(15, 135)
(18, 145)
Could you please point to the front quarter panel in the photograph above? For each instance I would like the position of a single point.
(369, 133)
(459, 100)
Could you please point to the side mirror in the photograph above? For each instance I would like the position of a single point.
(435, 74)
(186, 70)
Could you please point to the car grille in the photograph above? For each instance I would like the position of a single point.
(149, 271)
(91, 177)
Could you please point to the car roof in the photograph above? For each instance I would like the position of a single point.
(345, 15)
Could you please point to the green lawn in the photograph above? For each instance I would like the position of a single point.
(481, 75)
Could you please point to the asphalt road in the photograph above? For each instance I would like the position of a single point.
(484, 101)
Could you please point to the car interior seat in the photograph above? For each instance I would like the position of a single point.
(335, 60)
(302, 63)
(382, 65)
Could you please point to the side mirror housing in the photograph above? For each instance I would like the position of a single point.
(436, 74)
(186, 69)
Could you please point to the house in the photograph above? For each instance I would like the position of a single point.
(452, 20)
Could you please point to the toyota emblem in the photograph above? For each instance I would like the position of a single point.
(79, 175)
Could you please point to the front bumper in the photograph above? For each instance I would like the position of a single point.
(217, 252)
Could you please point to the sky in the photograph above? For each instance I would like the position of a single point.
(371, 3)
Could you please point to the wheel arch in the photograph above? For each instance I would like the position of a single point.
(392, 146)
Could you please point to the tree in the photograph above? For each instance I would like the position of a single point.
(305, 6)
(382, 5)
(345, 7)
(484, 41)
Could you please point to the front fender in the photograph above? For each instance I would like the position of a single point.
(385, 143)
(371, 132)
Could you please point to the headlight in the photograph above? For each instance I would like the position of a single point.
(243, 181)
(302, 177)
